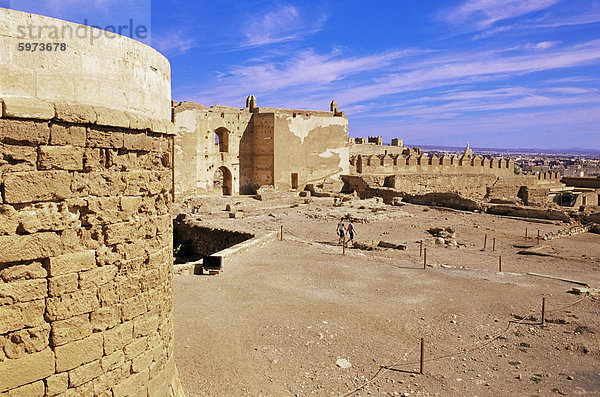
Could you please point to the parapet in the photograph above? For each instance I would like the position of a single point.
(251, 106)
(412, 161)
(113, 72)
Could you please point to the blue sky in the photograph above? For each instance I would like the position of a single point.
(497, 73)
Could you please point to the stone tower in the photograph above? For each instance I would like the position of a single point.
(86, 304)
(467, 153)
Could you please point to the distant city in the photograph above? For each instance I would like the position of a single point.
(575, 162)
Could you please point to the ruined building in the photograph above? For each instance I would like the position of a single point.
(86, 305)
(236, 151)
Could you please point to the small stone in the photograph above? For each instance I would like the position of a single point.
(343, 363)
(236, 215)
(570, 377)
(440, 241)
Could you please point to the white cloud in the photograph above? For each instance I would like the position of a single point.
(543, 45)
(283, 23)
(484, 13)
(465, 67)
(173, 42)
(491, 32)
(306, 70)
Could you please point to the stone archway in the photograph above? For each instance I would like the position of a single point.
(224, 180)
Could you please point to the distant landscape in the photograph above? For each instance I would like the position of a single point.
(571, 152)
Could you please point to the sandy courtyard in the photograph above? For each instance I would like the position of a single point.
(277, 320)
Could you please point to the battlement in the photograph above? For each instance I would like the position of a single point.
(415, 162)
(551, 176)
(377, 140)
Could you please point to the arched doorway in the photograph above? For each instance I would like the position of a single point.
(223, 180)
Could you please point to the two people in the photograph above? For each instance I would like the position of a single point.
(342, 229)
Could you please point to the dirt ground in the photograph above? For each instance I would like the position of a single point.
(276, 321)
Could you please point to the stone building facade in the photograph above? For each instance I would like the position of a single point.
(86, 304)
(236, 151)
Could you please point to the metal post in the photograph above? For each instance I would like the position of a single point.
(494, 244)
(281, 234)
(421, 368)
(500, 263)
(484, 241)
(344, 245)
(421, 248)
(543, 312)
(525, 233)
(424, 258)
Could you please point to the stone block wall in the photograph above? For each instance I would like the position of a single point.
(85, 255)
(85, 217)
(467, 185)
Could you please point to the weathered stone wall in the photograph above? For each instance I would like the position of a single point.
(371, 149)
(473, 186)
(265, 147)
(85, 259)
(203, 241)
(85, 241)
(117, 73)
(198, 156)
(263, 153)
(313, 146)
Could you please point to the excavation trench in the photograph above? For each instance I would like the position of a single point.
(196, 245)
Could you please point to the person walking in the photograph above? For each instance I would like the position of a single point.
(340, 231)
(351, 232)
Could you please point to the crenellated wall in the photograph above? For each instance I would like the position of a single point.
(86, 236)
(416, 163)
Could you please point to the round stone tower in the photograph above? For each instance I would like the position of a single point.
(86, 303)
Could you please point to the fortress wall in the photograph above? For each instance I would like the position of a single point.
(198, 156)
(402, 164)
(313, 146)
(85, 235)
(366, 149)
(467, 185)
